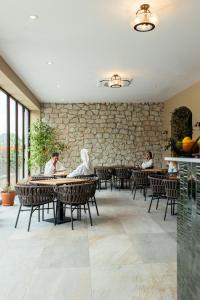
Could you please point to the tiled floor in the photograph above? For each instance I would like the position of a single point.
(127, 255)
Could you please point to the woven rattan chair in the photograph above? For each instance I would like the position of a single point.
(157, 189)
(123, 175)
(42, 177)
(104, 175)
(140, 181)
(33, 198)
(94, 180)
(171, 187)
(76, 197)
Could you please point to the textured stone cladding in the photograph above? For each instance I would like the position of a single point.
(114, 133)
(188, 231)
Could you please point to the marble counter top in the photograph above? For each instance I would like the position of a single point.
(183, 159)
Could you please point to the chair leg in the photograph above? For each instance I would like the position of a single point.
(18, 215)
(72, 217)
(29, 222)
(166, 209)
(145, 194)
(132, 188)
(157, 203)
(134, 192)
(89, 214)
(79, 212)
(171, 207)
(56, 211)
(99, 184)
(54, 214)
(42, 212)
(48, 208)
(174, 207)
(150, 205)
(39, 213)
(111, 185)
(95, 202)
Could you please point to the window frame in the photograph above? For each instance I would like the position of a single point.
(24, 109)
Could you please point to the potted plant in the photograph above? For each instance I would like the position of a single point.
(43, 143)
(8, 195)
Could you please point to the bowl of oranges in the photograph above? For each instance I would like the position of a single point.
(190, 145)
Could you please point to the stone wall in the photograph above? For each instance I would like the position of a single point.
(113, 133)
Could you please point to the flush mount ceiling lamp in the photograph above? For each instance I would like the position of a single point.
(115, 82)
(144, 20)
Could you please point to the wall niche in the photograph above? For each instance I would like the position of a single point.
(181, 123)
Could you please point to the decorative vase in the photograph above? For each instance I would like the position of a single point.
(8, 198)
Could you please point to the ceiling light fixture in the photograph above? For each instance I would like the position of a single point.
(33, 17)
(49, 62)
(115, 82)
(144, 20)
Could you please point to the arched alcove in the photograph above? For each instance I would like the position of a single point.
(181, 123)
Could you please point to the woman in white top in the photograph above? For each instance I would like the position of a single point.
(148, 162)
(85, 168)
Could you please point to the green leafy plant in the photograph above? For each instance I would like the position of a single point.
(42, 144)
(7, 189)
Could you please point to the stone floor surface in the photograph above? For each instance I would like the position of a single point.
(128, 254)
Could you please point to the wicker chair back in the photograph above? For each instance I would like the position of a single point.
(123, 173)
(77, 194)
(104, 174)
(34, 195)
(157, 185)
(140, 178)
(171, 188)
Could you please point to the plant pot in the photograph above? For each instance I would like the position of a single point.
(8, 198)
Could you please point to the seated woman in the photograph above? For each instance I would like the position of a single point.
(148, 162)
(85, 168)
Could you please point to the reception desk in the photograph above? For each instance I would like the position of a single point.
(188, 228)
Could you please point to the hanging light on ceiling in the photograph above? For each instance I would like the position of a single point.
(144, 20)
(115, 82)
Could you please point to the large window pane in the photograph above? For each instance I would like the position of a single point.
(16, 137)
(12, 141)
(3, 139)
(20, 146)
(26, 140)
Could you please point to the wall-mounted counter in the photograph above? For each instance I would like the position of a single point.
(188, 228)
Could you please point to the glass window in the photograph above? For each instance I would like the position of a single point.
(16, 136)
(3, 139)
(20, 144)
(12, 141)
(26, 141)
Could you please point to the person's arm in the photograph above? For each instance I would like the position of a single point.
(49, 169)
(147, 164)
(78, 171)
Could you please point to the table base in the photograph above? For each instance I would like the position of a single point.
(58, 222)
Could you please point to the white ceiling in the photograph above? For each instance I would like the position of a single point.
(89, 40)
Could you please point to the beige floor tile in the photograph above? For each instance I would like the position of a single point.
(59, 284)
(112, 250)
(146, 282)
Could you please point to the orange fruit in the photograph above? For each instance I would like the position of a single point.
(187, 145)
(186, 139)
